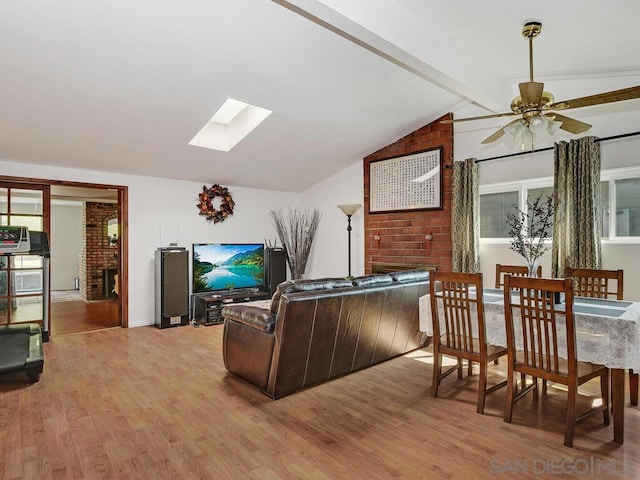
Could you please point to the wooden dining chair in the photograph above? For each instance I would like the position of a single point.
(457, 312)
(596, 283)
(517, 270)
(537, 329)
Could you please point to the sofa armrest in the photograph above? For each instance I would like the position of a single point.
(256, 317)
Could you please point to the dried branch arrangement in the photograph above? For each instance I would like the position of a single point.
(296, 229)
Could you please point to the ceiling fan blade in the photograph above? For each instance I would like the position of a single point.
(571, 125)
(531, 92)
(600, 98)
(495, 136)
(482, 117)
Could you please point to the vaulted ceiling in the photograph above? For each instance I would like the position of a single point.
(124, 86)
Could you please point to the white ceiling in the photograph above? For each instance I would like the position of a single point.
(124, 86)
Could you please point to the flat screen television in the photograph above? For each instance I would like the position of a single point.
(227, 266)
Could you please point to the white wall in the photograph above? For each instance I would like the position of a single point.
(162, 211)
(623, 117)
(329, 254)
(66, 245)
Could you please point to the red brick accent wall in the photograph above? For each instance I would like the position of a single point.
(97, 253)
(402, 234)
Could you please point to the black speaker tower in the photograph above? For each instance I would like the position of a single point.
(172, 287)
(275, 268)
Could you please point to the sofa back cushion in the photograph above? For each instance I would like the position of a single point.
(369, 280)
(319, 284)
(410, 276)
(275, 300)
(306, 286)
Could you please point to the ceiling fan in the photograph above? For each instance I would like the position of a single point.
(537, 108)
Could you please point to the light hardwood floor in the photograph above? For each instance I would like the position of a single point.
(82, 316)
(145, 403)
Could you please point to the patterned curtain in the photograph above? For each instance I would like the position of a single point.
(576, 237)
(465, 217)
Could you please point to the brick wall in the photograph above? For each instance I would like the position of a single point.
(98, 255)
(402, 234)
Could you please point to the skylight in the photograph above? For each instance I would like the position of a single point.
(233, 121)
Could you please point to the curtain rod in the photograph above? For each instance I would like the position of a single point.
(597, 140)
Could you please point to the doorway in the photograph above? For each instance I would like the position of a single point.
(84, 259)
(87, 227)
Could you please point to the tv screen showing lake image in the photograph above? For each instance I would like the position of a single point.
(228, 266)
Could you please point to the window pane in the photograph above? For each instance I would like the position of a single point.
(628, 207)
(26, 282)
(26, 201)
(26, 309)
(26, 261)
(534, 193)
(34, 223)
(493, 209)
(3, 200)
(604, 197)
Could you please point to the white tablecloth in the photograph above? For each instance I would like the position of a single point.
(608, 331)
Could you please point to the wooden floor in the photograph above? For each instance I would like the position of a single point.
(145, 403)
(83, 316)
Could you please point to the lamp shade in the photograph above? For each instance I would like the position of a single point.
(514, 129)
(349, 208)
(553, 127)
(538, 124)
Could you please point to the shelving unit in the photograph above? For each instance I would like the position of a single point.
(207, 308)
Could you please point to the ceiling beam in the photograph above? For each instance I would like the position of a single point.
(388, 30)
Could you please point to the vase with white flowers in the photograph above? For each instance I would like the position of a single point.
(530, 228)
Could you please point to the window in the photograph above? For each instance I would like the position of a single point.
(619, 194)
(627, 205)
(493, 213)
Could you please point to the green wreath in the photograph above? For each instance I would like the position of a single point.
(206, 206)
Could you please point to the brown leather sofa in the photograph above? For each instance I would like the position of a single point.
(317, 330)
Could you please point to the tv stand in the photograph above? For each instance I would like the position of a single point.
(207, 307)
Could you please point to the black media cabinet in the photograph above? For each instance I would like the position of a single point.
(207, 307)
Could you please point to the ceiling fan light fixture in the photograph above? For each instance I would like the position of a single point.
(514, 129)
(538, 124)
(553, 126)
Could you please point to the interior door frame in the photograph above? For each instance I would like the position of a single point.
(123, 222)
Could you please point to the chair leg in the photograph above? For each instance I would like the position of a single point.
(508, 407)
(437, 372)
(604, 391)
(482, 387)
(633, 387)
(469, 368)
(570, 423)
(459, 369)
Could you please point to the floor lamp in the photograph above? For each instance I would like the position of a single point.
(349, 209)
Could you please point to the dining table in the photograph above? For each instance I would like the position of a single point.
(607, 333)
